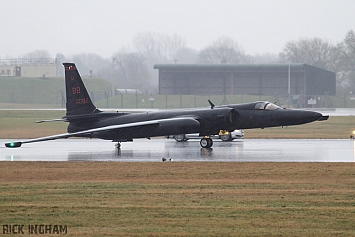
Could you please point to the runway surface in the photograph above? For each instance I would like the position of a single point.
(143, 150)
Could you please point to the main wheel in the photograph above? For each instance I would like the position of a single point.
(180, 137)
(206, 142)
(226, 137)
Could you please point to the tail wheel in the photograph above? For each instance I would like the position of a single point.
(206, 142)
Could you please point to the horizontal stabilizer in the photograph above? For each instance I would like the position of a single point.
(98, 115)
(51, 120)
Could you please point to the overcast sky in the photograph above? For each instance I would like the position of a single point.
(104, 26)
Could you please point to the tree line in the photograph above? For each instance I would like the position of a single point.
(132, 67)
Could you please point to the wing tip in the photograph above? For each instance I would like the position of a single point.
(13, 144)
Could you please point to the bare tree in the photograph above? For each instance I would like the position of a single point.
(223, 50)
(147, 45)
(131, 70)
(175, 44)
(347, 60)
(157, 47)
(186, 55)
(60, 58)
(315, 52)
(266, 58)
(37, 54)
(89, 63)
(206, 55)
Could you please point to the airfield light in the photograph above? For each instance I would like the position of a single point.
(352, 136)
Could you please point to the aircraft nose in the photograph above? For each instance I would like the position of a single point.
(318, 115)
(321, 117)
(315, 116)
(297, 117)
(312, 116)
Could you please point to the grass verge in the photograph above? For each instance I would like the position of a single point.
(181, 199)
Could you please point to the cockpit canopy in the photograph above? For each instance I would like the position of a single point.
(266, 106)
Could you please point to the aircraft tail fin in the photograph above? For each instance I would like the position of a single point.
(78, 99)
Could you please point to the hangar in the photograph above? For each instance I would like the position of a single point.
(253, 79)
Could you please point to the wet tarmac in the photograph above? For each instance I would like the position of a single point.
(143, 150)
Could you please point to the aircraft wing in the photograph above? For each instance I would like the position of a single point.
(179, 121)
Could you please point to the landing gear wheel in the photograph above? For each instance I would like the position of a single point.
(226, 137)
(118, 145)
(206, 142)
(180, 138)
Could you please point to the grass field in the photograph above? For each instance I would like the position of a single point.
(21, 124)
(181, 199)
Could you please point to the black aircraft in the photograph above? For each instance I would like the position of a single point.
(85, 120)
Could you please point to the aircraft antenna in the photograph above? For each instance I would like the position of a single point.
(212, 105)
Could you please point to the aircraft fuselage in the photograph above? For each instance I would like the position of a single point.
(211, 121)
